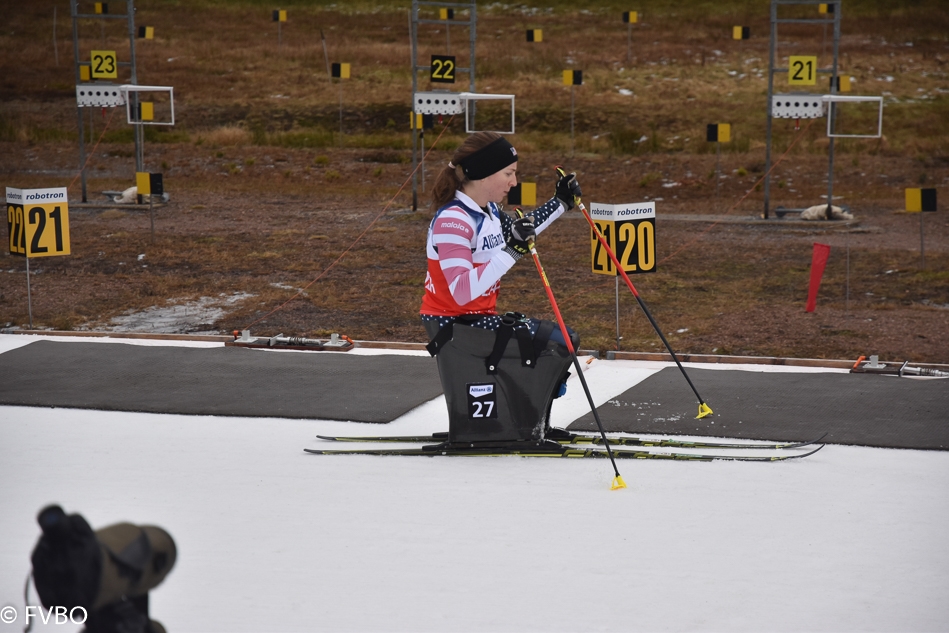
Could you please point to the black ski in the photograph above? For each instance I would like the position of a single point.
(568, 438)
(565, 451)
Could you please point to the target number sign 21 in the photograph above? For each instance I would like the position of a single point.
(630, 232)
(802, 70)
(38, 222)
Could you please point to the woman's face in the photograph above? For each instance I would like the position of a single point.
(494, 187)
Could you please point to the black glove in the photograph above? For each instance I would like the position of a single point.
(522, 232)
(568, 190)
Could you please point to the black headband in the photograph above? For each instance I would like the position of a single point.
(488, 160)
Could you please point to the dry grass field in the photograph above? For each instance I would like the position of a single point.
(270, 201)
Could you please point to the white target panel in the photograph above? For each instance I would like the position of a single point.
(99, 96)
(494, 108)
(801, 106)
(438, 103)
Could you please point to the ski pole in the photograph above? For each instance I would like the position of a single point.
(704, 409)
(618, 479)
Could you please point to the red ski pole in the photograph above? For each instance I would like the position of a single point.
(618, 479)
(704, 409)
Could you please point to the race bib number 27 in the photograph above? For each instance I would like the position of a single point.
(482, 401)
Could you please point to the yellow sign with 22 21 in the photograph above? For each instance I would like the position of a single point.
(38, 222)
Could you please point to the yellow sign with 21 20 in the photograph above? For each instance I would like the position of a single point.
(630, 232)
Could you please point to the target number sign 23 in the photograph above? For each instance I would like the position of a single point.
(38, 222)
(630, 232)
(104, 65)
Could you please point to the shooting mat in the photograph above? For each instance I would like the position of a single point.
(863, 409)
(230, 381)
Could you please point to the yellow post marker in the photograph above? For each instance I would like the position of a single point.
(629, 18)
(419, 121)
(146, 32)
(535, 35)
(802, 70)
(101, 8)
(573, 77)
(919, 200)
(104, 65)
(144, 183)
(446, 14)
(741, 32)
(84, 73)
(914, 200)
(279, 16)
(148, 111)
(718, 133)
(843, 83)
(340, 71)
(523, 193)
(149, 185)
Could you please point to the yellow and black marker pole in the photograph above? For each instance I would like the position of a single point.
(704, 409)
(617, 479)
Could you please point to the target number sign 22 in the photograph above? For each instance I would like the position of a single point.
(38, 222)
(630, 232)
(443, 69)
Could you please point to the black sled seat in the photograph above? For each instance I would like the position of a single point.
(499, 384)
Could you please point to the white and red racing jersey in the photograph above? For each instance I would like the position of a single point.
(466, 258)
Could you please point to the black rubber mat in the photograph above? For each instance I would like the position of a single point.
(863, 409)
(216, 381)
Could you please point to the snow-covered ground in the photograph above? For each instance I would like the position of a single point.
(272, 539)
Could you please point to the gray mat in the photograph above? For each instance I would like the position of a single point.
(216, 381)
(864, 409)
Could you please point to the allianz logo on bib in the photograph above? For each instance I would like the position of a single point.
(476, 391)
(492, 241)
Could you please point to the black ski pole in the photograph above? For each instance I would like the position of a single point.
(704, 409)
(618, 479)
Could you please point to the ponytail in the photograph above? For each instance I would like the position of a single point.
(449, 180)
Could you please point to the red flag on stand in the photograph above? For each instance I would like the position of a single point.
(818, 263)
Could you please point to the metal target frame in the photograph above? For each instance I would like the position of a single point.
(132, 120)
(129, 18)
(772, 71)
(830, 100)
(414, 22)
